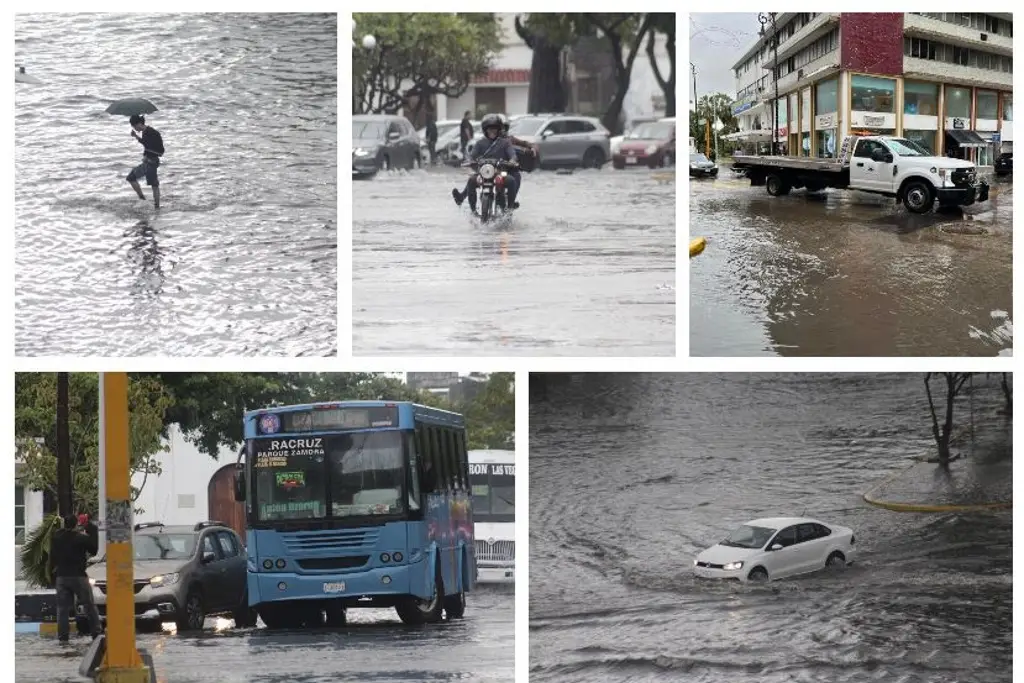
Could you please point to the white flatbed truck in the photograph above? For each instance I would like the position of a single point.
(889, 166)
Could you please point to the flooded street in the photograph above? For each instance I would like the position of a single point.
(847, 274)
(632, 475)
(241, 258)
(374, 647)
(586, 266)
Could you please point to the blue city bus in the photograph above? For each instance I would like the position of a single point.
(356, 504)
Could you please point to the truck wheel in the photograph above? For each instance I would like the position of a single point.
(776, 186)
(918, 196)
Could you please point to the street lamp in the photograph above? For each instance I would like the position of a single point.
(765, 19)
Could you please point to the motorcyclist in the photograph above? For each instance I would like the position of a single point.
(527, 152)
(492, 146)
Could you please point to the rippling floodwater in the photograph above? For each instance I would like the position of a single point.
(847, 274)
(241, 258)
(632, 475)
(374, 647)
(586, 267)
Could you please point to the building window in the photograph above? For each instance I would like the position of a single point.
(987, 104)
(826, 143)
(19, 514)
(825, 97)
(1007, 107)
(920, 98)
(925, 138)
(919, 48)
(872, 94)
(958, 103)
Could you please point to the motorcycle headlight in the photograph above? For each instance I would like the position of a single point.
(487, 171)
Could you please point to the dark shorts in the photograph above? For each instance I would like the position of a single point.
(147, 170)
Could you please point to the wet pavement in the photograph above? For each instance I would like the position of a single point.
(632, 475)
(374, 647)
(241, 259)
(586, 266)
(847, 274)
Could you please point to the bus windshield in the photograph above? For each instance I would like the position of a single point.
(359, 473)
(494, 492)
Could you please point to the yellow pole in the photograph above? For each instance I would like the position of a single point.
(121, 661)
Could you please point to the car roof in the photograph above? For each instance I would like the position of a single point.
(782, 522)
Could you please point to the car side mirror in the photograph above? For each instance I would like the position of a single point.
(776, 546)
(394, 135)
(208, 557)
(546, 134)
(239, 487)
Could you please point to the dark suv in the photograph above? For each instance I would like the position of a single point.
(182, 574)
(1004, 164)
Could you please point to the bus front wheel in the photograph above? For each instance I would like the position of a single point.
(412, 610)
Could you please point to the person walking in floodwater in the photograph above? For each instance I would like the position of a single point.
(153, 149)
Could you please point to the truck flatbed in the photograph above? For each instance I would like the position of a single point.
(797, 163)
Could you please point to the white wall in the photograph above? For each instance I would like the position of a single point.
(916, 69)
(186, 472)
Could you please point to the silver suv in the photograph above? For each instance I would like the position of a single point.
(182, 574)
(565, 140)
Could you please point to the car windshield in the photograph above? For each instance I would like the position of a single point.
(749, 537)
(907, 148)
(368, 130)
(163, 546)
(655, 130)
(526, 126)
(697, 158)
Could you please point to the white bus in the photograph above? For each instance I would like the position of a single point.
(492, 478)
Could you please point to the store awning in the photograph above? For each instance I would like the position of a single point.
(967, 138)
(765, 135)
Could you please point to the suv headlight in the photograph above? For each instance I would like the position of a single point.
(164, 579)
(733, 566)
(360, 152)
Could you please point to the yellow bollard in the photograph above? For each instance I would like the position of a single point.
(697, 245)
(121, 661)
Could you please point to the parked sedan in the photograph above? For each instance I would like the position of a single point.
(381, 142)
(651, 144)
(630, 126)
(1004, 164)
(182, 574)
(775, 548)
(702, 167)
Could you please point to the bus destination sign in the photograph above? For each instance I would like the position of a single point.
(336, 418)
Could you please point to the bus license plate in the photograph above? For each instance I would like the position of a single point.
(338, 587)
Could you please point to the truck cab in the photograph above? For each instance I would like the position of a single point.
(900, 168)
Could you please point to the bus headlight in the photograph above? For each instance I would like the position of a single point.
(280, 564)
(384, 557)
(268, 564)
(397, 557)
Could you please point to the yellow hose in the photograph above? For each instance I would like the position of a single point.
(697, 245)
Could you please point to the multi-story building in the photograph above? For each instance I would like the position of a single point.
(942, 80)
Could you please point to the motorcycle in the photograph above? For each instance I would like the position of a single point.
(491, 176)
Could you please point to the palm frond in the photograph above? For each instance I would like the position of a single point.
(35, 553)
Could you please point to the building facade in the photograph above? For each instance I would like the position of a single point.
(943, 80)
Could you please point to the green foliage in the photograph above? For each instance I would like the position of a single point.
(419, 55)
(35, 553)
(716, 106)
(491, 414)
(36, 436)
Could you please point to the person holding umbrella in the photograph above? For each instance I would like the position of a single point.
(153, 149)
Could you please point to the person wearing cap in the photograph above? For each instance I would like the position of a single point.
(70, 550)
(152, 150)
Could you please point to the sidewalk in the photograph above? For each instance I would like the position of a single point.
(970, 484)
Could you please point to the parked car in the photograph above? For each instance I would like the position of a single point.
(630, 126)
(182, 574)
(651, 144)
(702, 167)
(775, 548)
(448, 144)
(381, 142)
(565, 140)
(1004, 164)
(443, 126)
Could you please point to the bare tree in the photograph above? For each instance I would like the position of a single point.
(954, 383)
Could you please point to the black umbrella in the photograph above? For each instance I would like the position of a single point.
(130, 107)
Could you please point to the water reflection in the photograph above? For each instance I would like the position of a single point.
(146, 259)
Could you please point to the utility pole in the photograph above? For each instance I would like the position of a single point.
(765, 19)
(65, 502)
(693, 70)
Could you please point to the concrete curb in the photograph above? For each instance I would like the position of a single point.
(896, 506)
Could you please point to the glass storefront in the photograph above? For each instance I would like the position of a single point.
(958, 103)
(920, 99)
(1007, 107)
(873, 94)
(987, 104)
(825, 141)
(926, 138)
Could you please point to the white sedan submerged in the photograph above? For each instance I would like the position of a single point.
(776, 547)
